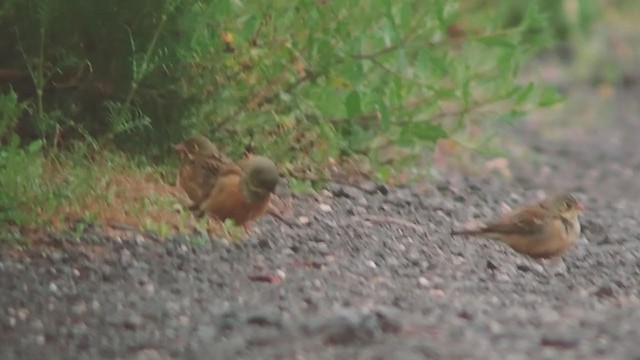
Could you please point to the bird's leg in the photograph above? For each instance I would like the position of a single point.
(245, 226)
(196, 210)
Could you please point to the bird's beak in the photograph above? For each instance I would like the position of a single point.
(580, 207)
(180, 147)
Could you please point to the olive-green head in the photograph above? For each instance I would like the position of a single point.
(260, 178)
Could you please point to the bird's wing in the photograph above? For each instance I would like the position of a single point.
(230, 169)
(188, 182)
(211, 163)
(530, 220)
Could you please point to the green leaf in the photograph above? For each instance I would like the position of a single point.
(549, 96)
(250, 25)
(356, 45)
(422, 62)
(222, 8)
(353, 104)
(14, 142)
(439, 64)
(533, 17)
(405, 140)
(324, 51)
(34, 146)
(439, 11)
(511, 116)
(328, 101)
(353, 72)
(498, 41)
(445, 93)
(523, 94)
(424, 131)
(384, 172)
(407, 15)
(385, 116)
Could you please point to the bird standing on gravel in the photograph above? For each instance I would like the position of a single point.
(542, 230)
(242, 191)
(223, 189)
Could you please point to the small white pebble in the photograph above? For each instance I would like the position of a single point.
(79, 308)
(281, 274)
(117, 239)
(437, 293)
(370, 264)
(40, 340)
(75, 272)
(95, 305)
(149, 288)
(37, 325)
(183, 248)
(325, 208)
(326, 193)
(53, 287)
(423, 281)
(23, 313)
(504, 208)
(12, 321)
(140, 239)
(223, 242)
(303, 220)
(548, 315)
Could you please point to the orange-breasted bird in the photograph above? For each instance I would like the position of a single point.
(242, 191)
(223, 189)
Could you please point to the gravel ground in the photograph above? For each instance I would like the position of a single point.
(355, 282)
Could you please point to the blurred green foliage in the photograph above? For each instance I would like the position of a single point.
(301, 80)
(565, 18)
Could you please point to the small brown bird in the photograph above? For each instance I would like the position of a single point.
(242, 191)
(542, 230)
(200, 169)
(200, 166)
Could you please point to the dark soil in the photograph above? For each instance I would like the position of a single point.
(347, 285)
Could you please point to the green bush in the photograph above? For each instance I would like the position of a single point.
(20, 171)
(331, 78)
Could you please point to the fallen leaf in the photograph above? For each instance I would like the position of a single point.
(266, 278)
